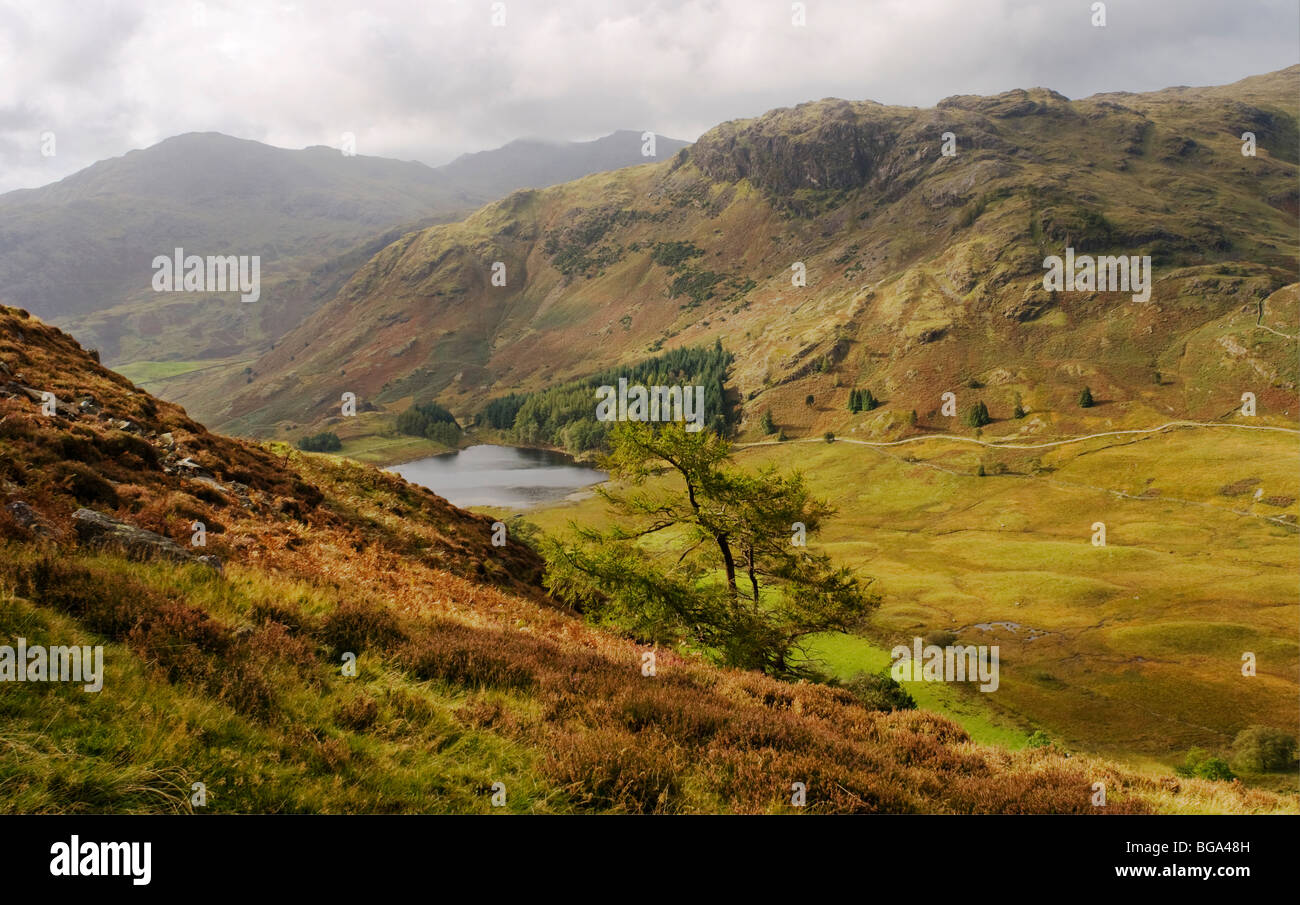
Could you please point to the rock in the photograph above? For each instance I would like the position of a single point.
(212, 560)
(99, 530)
(167, 440)
(30, 519)
(18, 389)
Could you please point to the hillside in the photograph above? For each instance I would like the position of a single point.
(78, 252)
(923, 272)
(228, 672)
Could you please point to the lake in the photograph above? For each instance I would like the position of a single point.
(506, 477)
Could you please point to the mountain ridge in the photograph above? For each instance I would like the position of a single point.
(923, 271)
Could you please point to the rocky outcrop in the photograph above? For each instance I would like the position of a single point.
(99, 530)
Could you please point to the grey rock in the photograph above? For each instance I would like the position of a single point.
(29, 518)
(99, 530)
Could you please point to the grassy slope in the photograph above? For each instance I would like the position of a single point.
(1141, 656)
(465, 679)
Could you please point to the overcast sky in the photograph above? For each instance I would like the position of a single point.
(429, 79)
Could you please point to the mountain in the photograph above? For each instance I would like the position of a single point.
(80, 250)
(537, 163)
(227, 664)
(924, 272)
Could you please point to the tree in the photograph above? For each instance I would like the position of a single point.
(327, 441)
(808, 400)
(978, 415)
(768, 425)
(867, 401)
(1085, 398)
(911, 418)
(855, 402)
(1263, 749)
(1018, 411)
(705, 555)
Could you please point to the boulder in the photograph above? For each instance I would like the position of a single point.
(99, 530)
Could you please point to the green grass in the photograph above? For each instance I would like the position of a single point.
(140, 743)
(844, 656)
(1142, 639)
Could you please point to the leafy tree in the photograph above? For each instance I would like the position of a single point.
(326, 441)
(829, 437)
(564, 415)
(705, 556)
(429, 420)
(1263, 749)
(1085, 398)
(978, 415)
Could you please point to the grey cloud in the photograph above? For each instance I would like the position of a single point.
(428, 80)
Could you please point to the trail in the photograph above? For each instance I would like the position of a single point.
(1171, 425)
(1259, 322)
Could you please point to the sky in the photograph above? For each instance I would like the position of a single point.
(84, 80)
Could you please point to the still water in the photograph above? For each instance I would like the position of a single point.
(502, 476)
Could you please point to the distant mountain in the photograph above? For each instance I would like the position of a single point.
(923, 272)
(537, 163)
(79, 251)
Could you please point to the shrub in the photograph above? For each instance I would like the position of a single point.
(880, 692)
(85, 484)
(1039, 739)
(357, 713)
(829, 437)
(357, 625)
(1201, 764)
(1214, 768)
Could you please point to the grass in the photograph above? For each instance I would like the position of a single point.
(1142, 640)
(143, 373)
(468, 675)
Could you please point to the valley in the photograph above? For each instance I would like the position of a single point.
(1133, 649)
